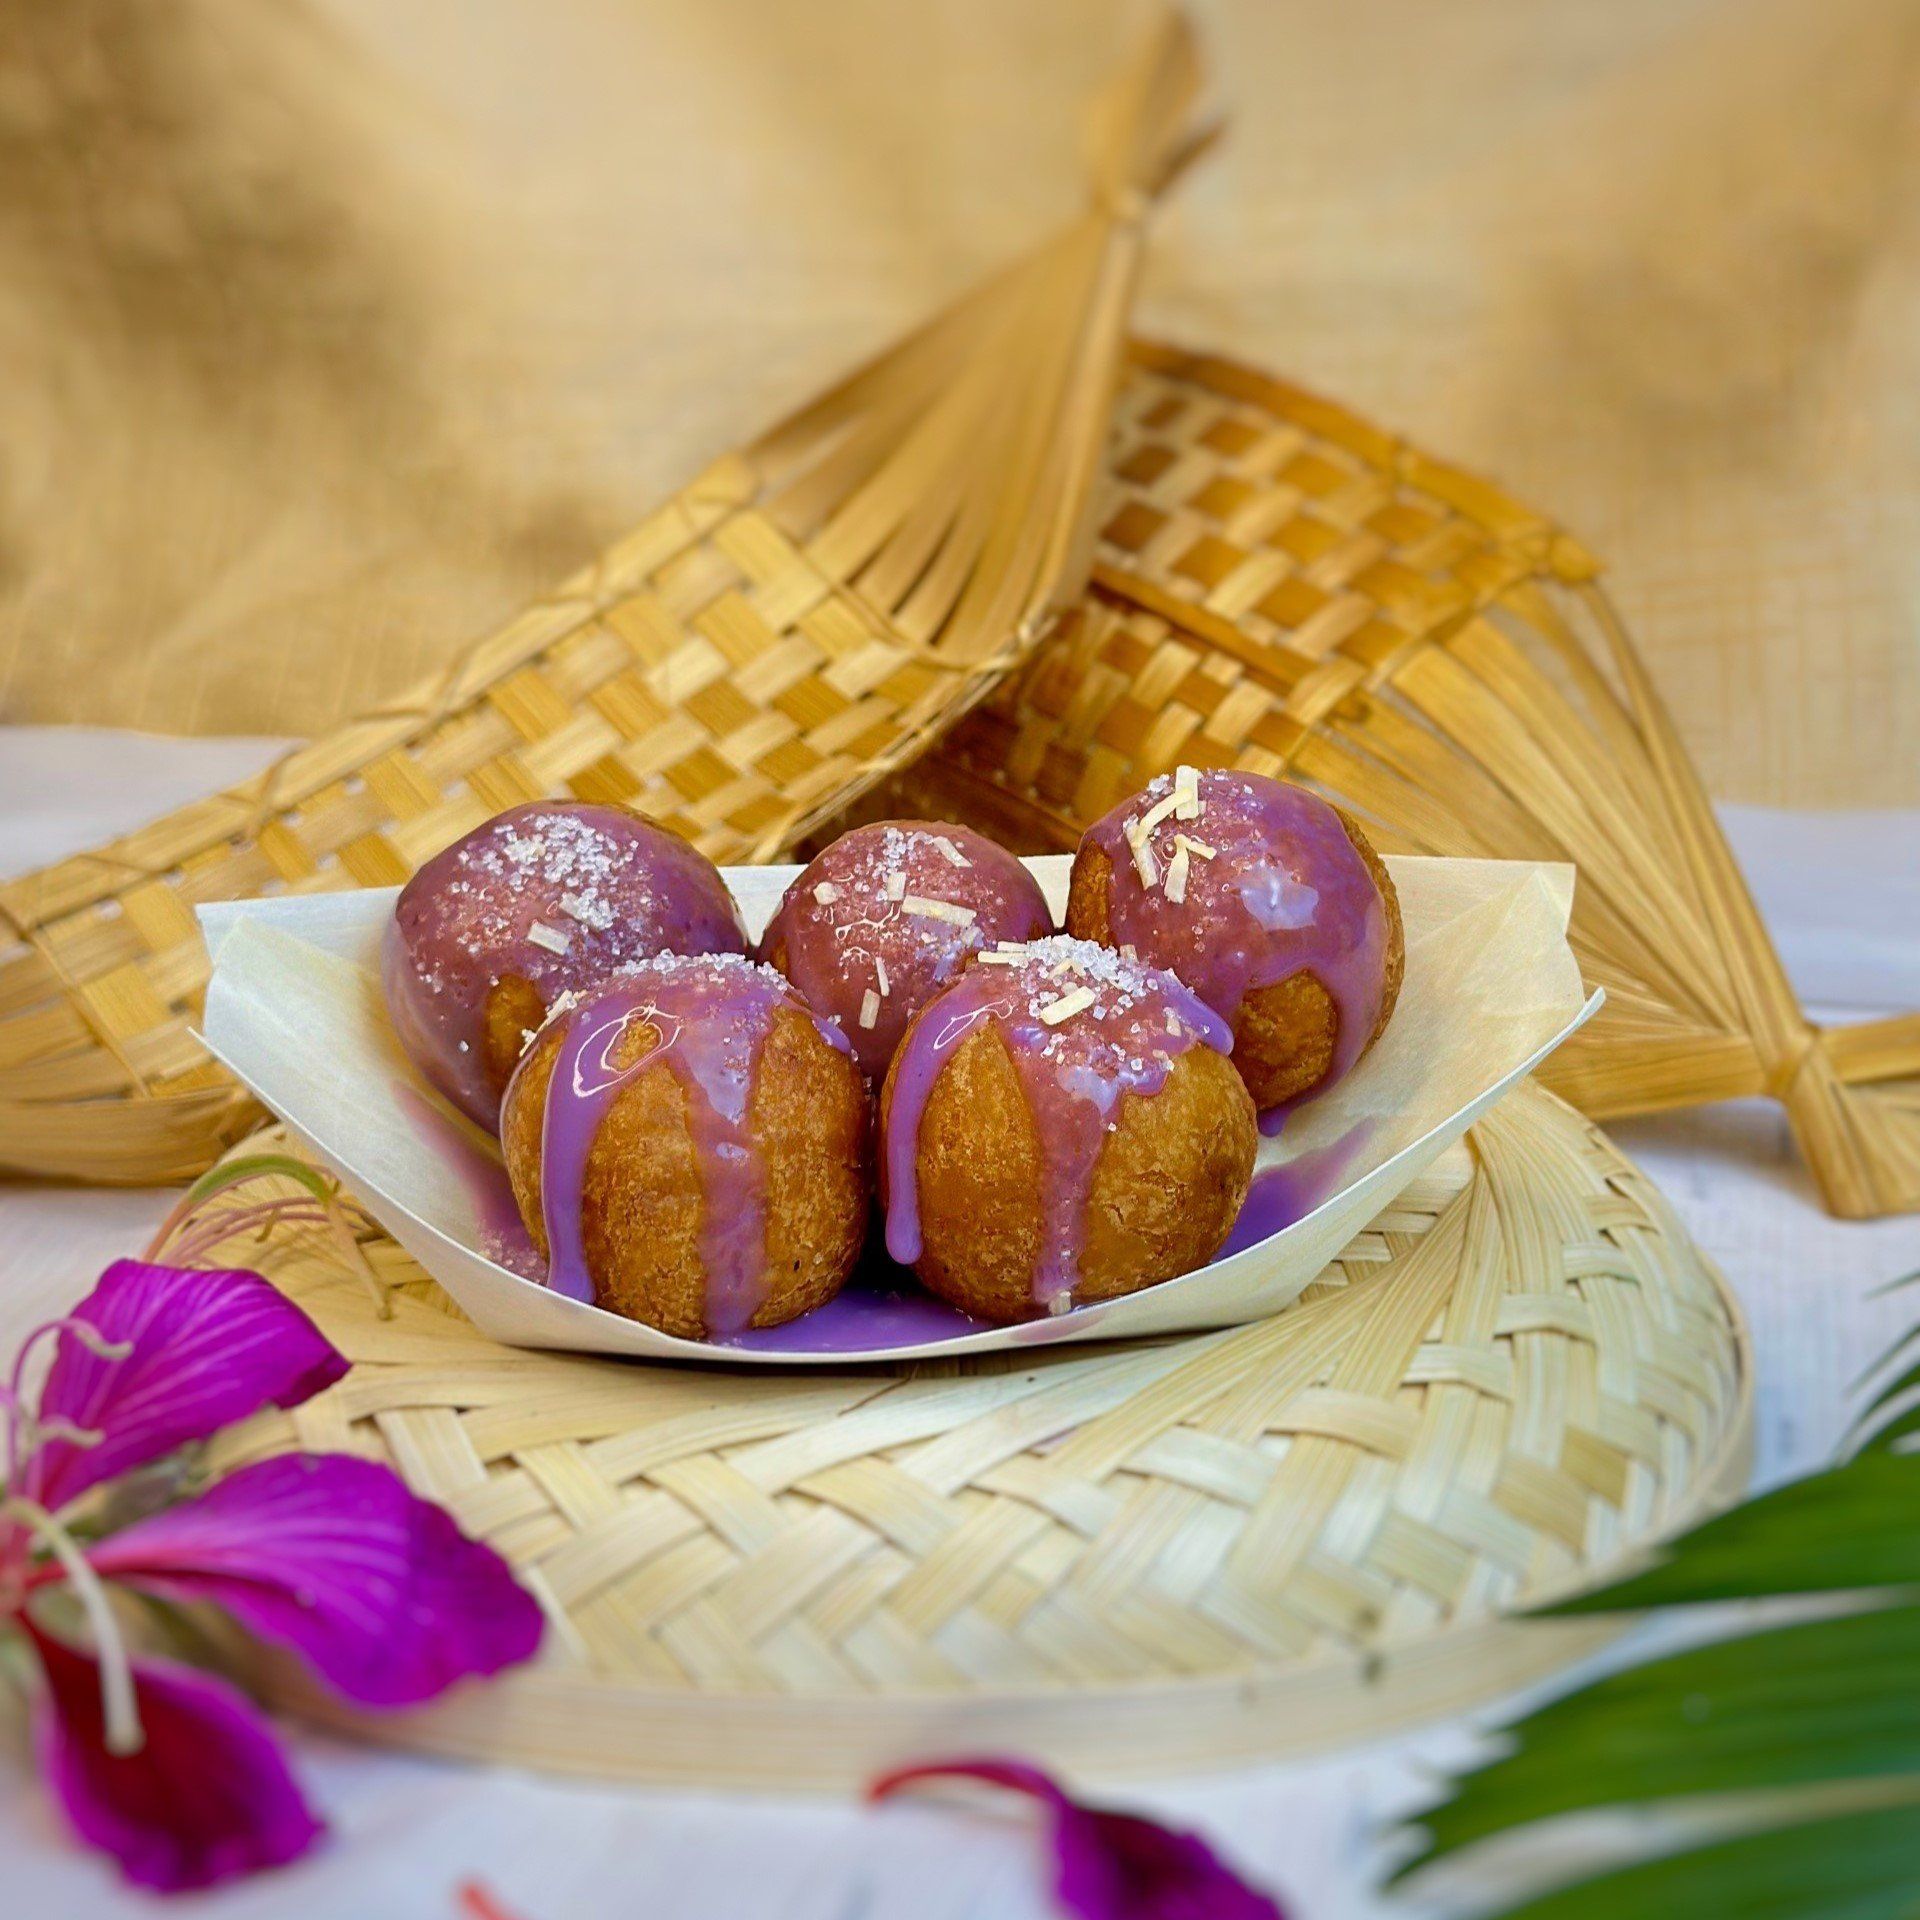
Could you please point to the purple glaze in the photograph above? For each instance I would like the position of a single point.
(557, 893)
(1072, 1075)
(502, 1233)
(1283, 1195)
(861, 939)
(711, 1014)
(882, 1305)
(1285, 891)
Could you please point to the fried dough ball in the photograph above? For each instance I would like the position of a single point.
(689, 1147)
(1268, 902)
(541, 900)
(1062, 1125)
(887, 915)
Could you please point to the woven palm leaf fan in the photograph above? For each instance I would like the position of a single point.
(1283, 587)
(804, 616)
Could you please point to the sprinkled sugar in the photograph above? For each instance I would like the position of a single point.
(562, 857)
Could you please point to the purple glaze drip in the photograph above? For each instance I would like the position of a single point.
(557, 893)
(860, 939)
(712, 1015)
(1072, 1075)
(1280, 1196)
(1285, 891)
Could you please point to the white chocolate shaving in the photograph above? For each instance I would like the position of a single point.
(551, 938)
(1059, 1304)
(880, 974)
(1186, 793)
(1000, 957)
(896, 886)
(869, 1007)
(1198, 848)
(923, 908)
(1175, 885)
(1141, 828)
(954, 856)
(1066, 1006)
(826, 893)
(1144, 863)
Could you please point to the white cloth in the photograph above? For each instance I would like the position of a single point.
(1843, 898)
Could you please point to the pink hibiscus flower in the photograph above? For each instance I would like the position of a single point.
(170, 1770)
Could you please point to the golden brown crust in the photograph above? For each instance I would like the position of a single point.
(1171, 1179)
(1396, 928)
(643, 1197)
(1283, 1035)
(1166, 1189)
(1283, 1038)
(813, 1116)
(1090, 896)
(979, 1180)
(513, 1010)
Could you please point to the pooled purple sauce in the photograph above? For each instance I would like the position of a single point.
(1130, 1023)
(881, 1306)
(887, 915)
(556, 893)
(1280, 1196)
(1269, 885)
(711, 1015)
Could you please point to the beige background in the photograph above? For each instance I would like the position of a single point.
(331, 329)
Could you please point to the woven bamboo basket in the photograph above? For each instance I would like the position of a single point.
(1281, 586)
(1141, 1557)
(807, 614)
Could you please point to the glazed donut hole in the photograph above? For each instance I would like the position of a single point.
(1061, 1126)
(541, 900)
(1265, 899)
(717, 1176)
(889, 914)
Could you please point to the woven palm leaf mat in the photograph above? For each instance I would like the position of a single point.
(1282, 586)
(1152, 1556)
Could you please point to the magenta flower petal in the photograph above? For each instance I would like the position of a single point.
(206, 1348)
(1112, 1866)
(386, 1599)
(207, 1798)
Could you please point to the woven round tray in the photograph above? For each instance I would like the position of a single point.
(1135, 1558)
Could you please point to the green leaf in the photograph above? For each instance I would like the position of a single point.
(1856, 1866)
(1855, 1526)
(1819, 1701)
(1822, 1702)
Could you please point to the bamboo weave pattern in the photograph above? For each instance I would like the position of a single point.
(1283, 587)
(801, 618)
(1514, 1377)
(1279, 585)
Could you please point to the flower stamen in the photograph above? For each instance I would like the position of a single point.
(89, 1336)
(119, 1705)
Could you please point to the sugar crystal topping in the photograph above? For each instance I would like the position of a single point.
(1061, 980)
(546, 857)
(890, 870)
(665, 966)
